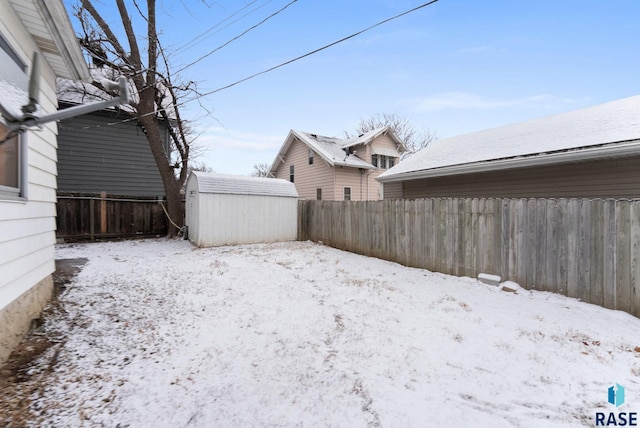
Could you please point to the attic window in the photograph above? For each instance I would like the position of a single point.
(310, 157)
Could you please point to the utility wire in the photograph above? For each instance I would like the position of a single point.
(269, 69)
(235, 38)
(315, 51)
(196, 39)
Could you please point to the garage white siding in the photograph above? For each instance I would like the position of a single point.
(231, 210)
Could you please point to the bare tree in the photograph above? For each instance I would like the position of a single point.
(261, 170)
(158, 96)
(413, 139)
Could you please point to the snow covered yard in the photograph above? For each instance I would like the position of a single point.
(160, 333)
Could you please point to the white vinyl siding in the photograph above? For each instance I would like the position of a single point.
(27, 225)
(308, 178)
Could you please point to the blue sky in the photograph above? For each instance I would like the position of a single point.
(452, 67)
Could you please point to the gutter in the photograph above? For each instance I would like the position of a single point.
(615, 150)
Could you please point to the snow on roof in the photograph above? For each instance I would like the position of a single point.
(241, 185)
(13, 98)
(75, 92)
(332, 149)
(612, 122)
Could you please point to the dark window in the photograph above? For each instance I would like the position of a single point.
(374, 160)
(347, 193)
(382, 162)
(10, 160)
(392, 162)
(319, 194)
(310, 157)
(291, 173)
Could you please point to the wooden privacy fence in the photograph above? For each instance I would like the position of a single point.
(102, 216)
(587, 249)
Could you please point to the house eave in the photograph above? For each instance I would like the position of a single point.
(58, 42)
(622, 149)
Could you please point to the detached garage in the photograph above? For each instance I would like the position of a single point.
(229, 210)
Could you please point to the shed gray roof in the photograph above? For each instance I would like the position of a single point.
(591, 132)
(241, 185)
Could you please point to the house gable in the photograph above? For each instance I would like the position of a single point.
(337, 164)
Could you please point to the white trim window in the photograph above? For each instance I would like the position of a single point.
(346, 193)
(382, 161)
(11, 164)
(13, 73)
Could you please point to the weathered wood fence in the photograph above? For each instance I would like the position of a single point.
(587, 249)
(102, 216)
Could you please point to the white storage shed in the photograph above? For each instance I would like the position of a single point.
(230, 210)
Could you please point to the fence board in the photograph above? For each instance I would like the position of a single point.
(634, 304)
(83, 216)
(623, 256)
(573, 266)
(541, 247)
(584, 251)
(597, 253)
(609, 255)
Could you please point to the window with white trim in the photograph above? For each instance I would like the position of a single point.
(10, 163)
(12, 160)
(382, 161)
(291, 173)
(310, 157)
(347, 193)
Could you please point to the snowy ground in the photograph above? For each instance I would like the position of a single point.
(160, 333)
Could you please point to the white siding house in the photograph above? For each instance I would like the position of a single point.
(230, 210)
(28, 160)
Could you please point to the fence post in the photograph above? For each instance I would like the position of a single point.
(92, 218)
(103, 212)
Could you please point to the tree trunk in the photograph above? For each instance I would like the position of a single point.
(172, 185)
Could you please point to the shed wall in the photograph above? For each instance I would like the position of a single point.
(224, 219)
(609, 178)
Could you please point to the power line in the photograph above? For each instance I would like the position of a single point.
(271, 68)
(315, 51)
(235, 38)
(196, 39)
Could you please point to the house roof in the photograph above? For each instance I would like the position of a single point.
(605, 130)
(49, 25)
(241, 185)
(335, 150)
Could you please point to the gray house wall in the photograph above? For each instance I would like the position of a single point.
(115, 159)
(608, 178)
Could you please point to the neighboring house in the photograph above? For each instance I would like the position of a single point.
(105, 151)
(337, 169)
(28, 160)
(588, 153)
